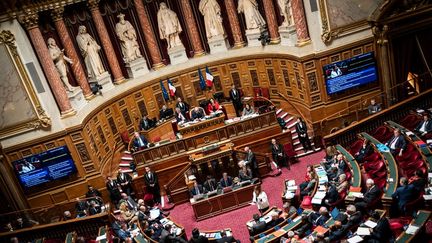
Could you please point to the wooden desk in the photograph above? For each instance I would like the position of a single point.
(214, 238)
(222, 203)
(201, 126)
(162, 130)
(420, 221)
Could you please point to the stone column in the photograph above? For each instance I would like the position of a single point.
(272, 24)
(300, 22)
(382, 47)
(192, 28)
(234, 23)
(30, 22)
(77, 69)
(150, 38)
(106, 42)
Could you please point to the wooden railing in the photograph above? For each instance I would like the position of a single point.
(176, 188)
(233, 130)
(263, 161)
(346, 135)
(308, 122)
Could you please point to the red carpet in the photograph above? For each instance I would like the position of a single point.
(236, 220)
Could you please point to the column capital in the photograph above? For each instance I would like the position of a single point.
(29, 19)
(57, 13)
(380, 34)
(93, 4)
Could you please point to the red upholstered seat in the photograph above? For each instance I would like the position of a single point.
(348, 175)
(156, 139)
(396, 225)
(341, 199)
(372, 157)
(410, 121)
(380, 182)
(356, 146)
(289, 150)
(125, 137)
(379, 174)
(374, 166)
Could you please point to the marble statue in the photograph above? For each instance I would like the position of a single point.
(128, 39)
(211, 11)
(90, 51)
(60, 60)
(285, 12)
(254, 20)
(169, 26)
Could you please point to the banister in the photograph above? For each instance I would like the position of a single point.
(176, 178)
(308, 122)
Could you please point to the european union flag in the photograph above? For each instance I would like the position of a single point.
(202, 80)
(164, 91)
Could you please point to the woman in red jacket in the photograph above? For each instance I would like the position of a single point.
(213, 106)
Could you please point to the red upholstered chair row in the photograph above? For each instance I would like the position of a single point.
(382, 134)
(410, 121)
(356, 146)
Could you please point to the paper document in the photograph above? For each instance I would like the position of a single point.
(363, 231)
(355, 239)
(320, 194)
(292, 188)
(289, 195)
(411, 229)
(101, 237)
(427, 197)
(370, 224)
(154, 213)
(316, 200)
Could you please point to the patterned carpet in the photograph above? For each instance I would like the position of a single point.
(236, 220)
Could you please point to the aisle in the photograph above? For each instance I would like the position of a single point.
(273, 186)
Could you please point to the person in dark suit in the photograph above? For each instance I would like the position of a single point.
(226, 180)
(244, 173)
(278, 154)
(183, 106)
(418, 180)
(404, 194)
(250, 161)
(332, 194)
(225, 238)
(381, 232)
(94, 194)
(301, 128)
(125, 181)
(165, 113)
(197, 189)
(336, 231)
(146, 123)
(373, 107)
(365, 150)
(235, 97)
(424, 127)
(274, 221)
(197, 238)
(114, 190)
(314, 219)
(152, 184)
(128, 200)
(139, 141)
(210, 184)
(258, 226)
(354, 217)
(371, 194)
(81, 208)
(197, 113)
(94, 208)
(180, 116)
(396, 143)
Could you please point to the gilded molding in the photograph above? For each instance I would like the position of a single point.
(380, 34)
(57, 13)
(93, 4)
(29, 19)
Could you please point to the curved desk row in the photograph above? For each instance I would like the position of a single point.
(419, 221)
(355, 168)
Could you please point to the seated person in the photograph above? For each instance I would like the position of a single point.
(336, 232)
(333, 174)
(139, 141)
(146, 123)
(244, 173)
(381, 232)
(309, 186)
(226, 180)
(258, 226)
(197, 189)
(373, 107)
(165, 113)
(128, 200)
(24, 223)
(67, 215)
(197, 113)
(248, 110)
(225, 238)
(275, 220)
(180, 116)
(93, 194)
(403, 195)
(352, 216)
(213, 106)
(197, 238)
(424, 127)
(143, 213)
(339, 163)
(396, 142)
(418, 180)
(342, 184)
(332, 194)
(210, 184)
(123, 232)
(288, 210)
(127, 215)
(94, 208)
(371, 194)
(365, 150)
(167, 235)
(81, 208)
(314, 219)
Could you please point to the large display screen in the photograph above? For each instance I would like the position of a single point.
(354, 72)
(45, 167)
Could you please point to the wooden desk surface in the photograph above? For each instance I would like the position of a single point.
(392, 169)
(202, 126)
(208, 233)
(420, 221)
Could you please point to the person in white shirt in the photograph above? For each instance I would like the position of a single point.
(27, 167)
(424, 127)
(260, 199)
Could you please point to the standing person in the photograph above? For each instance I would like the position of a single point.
(245, 173)
(152, 183)
(114, 190)
(184, 107)
(260, 199)
(278, 154)
(301, 128)
(235, 96)
(250, 160)
(180, 116)
(125, 181)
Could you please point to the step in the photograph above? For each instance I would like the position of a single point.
(307, 153)
(127, 170)
(284, 115)
(301, 147)
(289, 119)
(127, 158)
(292, 125)
(278, 111)
(126, 152)
(122, 163)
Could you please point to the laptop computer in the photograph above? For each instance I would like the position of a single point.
(334, 213)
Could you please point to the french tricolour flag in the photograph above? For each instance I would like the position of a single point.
(209, 78)
(172, 88)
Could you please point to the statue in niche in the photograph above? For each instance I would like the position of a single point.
(254, 20)
(285, 12)
(60, 60)
(90, 51)
(211, 11)
(169, 26)
(128, 39)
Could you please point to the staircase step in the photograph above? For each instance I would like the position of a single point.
(278, 111)
(284, 115)
(292, 125)
(126, 158)
(127, 170)
(307, 153)
(124, 164)
(289, 119)
(126, 152)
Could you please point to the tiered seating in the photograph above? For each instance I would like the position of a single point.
(382, 134)
(419, 221)
(410, 121)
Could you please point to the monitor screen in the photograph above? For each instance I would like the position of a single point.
(350, 73)
(44, 167)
